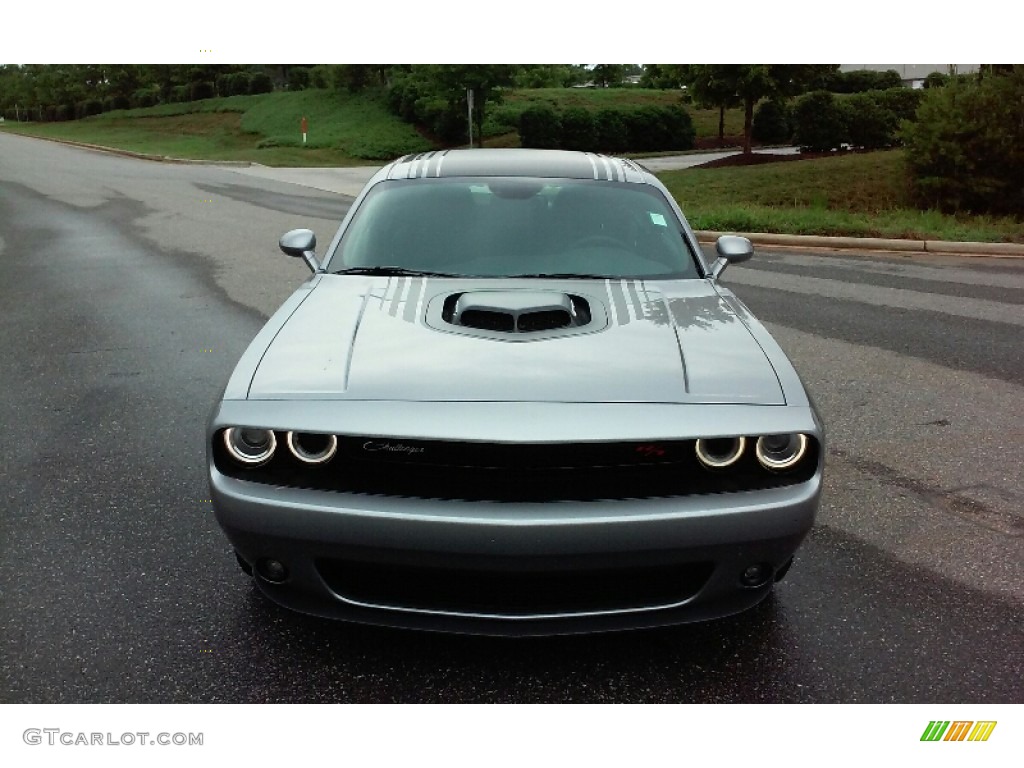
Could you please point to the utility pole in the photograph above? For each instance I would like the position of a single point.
(469, 101)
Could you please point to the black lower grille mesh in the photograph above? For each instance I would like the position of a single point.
(513, 593)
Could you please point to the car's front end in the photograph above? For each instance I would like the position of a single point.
(523, 453)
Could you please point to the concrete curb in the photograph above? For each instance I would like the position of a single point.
(141, 155)
(997, 250)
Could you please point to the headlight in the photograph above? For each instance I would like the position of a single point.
(778, 452)
(311, 448)
(251, 447)
(720, 452)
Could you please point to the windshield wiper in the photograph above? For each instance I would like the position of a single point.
(392, 272)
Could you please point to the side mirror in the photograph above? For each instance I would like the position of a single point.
(731, 249)
(301, 243)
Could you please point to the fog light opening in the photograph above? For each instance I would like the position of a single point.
(756, 575)
(271, 570)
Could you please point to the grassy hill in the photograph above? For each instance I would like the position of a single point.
(856, 195)
(344, 129)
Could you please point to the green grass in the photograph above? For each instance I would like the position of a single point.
(343, 130)
(861, 195)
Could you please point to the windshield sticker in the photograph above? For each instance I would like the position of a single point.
(657, 218)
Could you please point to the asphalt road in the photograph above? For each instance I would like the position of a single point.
(129, 289)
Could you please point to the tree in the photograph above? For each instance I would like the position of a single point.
(608, 75)
(965, 150)
(452, 81)
(663, 76)
(725, 84)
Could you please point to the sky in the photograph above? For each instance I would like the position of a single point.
(522, 32)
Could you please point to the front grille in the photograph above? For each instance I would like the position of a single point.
(450, 470)
(514, 592)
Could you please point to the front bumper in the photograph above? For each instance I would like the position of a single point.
(375, 559)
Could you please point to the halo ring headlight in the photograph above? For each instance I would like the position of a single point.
(323, 449)
(776, 455)
(250, 447)
(721, 452)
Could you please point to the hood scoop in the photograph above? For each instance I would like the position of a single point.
(516, 312)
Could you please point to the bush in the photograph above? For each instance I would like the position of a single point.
(260, 82)
(902, 102)
(145, 97)
(860, 80)
(965, 151)
(446, 121)
(88, 108)
(180, 93)
(820, 122)
(320, 76)
(936, 80)
(870, 124)
(578, 130)
(540, 127)
(612, 135)
(773, 123)
(201, 90)
(501, 119)
(298, 78)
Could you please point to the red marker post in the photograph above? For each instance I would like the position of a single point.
(304, 125)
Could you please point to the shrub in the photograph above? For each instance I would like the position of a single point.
(145, 97)
(540, 127)
(446, 121)
(681, 132)
(260, 82)
(612, 135)
(870, 124)
(201, 90)
(773, 123)
(88, 108)
(179, 93)
(936, 80)
(320, 76)
(578, 130)
(501, 119)
(298, 78)
(860, 80)
(965, 151)
(819, 121)
(902, 102)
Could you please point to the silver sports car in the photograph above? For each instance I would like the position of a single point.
(514, 398)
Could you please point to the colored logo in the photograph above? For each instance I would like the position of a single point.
(958, 730)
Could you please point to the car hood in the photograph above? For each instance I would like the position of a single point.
(382, 338)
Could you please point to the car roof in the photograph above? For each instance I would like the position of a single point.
(535, 163)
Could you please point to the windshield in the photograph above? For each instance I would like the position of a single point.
(515, 227)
